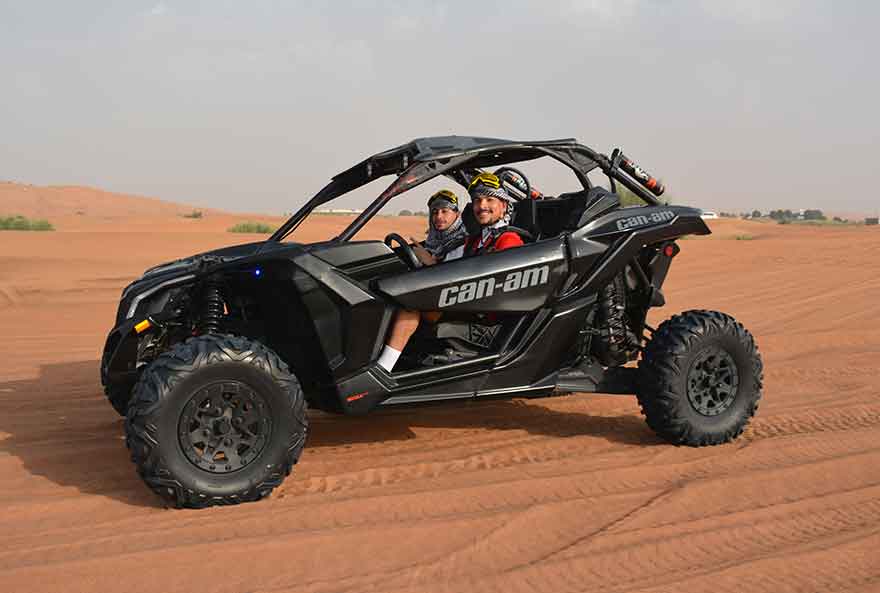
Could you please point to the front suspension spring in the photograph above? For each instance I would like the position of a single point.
(212, 307)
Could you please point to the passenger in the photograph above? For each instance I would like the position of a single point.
(446, 232)
(493, 209)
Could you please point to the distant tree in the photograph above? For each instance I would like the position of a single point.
(782, 215)
(813, 215)
(420, 213)
(405, 213)
(756, 214)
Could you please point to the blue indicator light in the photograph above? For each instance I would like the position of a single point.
(257, 272)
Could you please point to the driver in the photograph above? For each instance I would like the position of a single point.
(446, 232)
(493, 208)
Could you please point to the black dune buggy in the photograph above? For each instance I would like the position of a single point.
(214, 358)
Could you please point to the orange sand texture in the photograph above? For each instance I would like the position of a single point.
(562, 494)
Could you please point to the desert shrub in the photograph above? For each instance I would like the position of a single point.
(194, 214)
(20, 223)
(744, 237)
(628, 198)
(405, 213)
(251, 227)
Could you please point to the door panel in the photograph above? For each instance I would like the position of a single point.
(515, 280)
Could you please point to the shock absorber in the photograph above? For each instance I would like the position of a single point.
(212, 307)
(616, 341)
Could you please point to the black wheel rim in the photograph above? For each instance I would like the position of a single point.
(712, 382)
(224, 427)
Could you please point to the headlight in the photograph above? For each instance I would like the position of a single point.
(132, 309)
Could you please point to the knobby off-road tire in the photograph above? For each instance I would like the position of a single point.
(700, 379)
(238, 394)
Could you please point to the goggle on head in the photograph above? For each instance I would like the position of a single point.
(489, 180)
(444, 194)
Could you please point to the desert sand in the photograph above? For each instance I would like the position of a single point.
(561, 494)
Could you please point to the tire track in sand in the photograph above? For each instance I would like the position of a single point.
(549, 450)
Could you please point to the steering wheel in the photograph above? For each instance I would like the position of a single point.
(408, 254)
(527, 191)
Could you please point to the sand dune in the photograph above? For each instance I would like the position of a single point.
(66, 200)
(563, 494)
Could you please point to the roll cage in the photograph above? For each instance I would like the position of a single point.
(423, 159)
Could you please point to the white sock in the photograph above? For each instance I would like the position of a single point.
(388, 358)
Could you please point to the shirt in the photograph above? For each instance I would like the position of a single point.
(484, 241)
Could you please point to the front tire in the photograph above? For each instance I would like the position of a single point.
(217, 419)
(700, 379)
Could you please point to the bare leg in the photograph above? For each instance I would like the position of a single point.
(404, 326)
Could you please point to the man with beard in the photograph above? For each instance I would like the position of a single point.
(493, 209)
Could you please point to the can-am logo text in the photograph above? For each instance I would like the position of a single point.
(642, 220)
(486, 287)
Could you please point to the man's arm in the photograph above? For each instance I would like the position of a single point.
(423, 254)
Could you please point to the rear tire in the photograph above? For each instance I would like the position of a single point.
(700, 379)
(218, 419)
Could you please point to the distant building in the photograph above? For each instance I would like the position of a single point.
(708, 214)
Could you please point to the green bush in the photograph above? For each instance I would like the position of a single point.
(629, 198)
(194, 214)
(252, 227)
(20, 223)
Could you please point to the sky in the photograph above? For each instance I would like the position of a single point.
(253, 106)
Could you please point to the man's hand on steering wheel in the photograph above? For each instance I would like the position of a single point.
(423, 254)
(409, 255)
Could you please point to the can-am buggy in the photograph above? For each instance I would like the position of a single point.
(215, 357)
